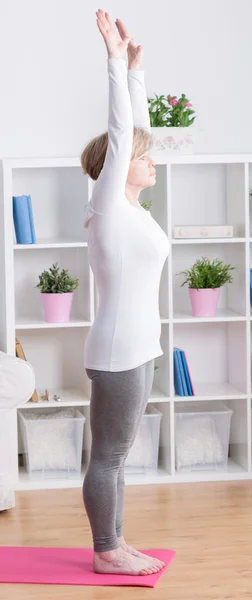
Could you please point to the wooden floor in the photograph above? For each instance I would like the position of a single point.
(210, 526)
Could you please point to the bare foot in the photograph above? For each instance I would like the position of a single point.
(118, 561)
(152, 561)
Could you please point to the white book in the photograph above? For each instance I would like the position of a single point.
(202, 231)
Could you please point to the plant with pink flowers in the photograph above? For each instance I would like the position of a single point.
(170, 111)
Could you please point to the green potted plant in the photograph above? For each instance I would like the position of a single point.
(205, 279)
(171, 120)
(57, 293)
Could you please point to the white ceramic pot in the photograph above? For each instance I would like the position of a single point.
(173, 140)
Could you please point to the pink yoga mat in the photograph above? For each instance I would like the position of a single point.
(67, 566)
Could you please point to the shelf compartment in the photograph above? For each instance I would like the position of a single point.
(202, 433)
(207, 194)
(58, 196)
(28, 304)
(238, 452)
(52, 442)
(57, 356)
(232, 300)
(217, 357)
(23, 476)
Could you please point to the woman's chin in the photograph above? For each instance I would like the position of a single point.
(152, 180)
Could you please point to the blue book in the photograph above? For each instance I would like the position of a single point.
(177, 377)
(187, 376)
(31, 219)
(250, 287)
(23, 219)
(182, 374)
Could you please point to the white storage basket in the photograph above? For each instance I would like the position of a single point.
(52, 442)
(202, 436)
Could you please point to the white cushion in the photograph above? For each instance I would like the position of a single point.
(17, 381)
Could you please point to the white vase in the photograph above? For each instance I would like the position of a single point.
(173, 140)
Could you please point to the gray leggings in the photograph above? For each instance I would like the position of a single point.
(118, 401)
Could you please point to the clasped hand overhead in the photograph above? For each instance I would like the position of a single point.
(118, 40)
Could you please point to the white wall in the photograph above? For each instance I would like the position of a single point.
(53, 83)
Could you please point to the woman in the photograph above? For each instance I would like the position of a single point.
(127, 251)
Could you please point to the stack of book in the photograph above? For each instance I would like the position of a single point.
(23, 220)
(182, 378)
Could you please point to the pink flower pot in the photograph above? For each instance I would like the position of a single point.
(204, 302)
(57, 307)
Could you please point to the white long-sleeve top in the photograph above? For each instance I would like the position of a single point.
(127, 248)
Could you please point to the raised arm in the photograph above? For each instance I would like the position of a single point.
(138, 98)
(111, 182)
(136, 81)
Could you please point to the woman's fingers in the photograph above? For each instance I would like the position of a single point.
(101, 27)
(103, 22)
(108, 20)
(101, 14)
(105, 19)
(122, 29)
(116, 45)
(119, 28)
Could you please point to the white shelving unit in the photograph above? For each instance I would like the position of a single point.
(193, 189)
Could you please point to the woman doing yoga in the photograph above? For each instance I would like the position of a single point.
(127, 251)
